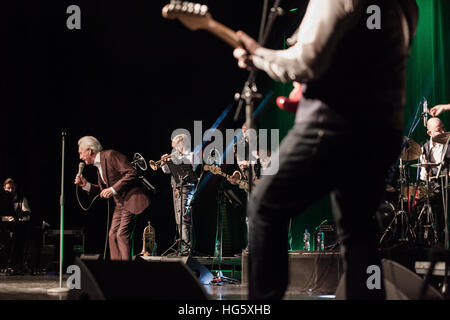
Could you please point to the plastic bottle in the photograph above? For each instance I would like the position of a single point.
(320, 244)
(306, 241)
(154, 250)
(218, 249)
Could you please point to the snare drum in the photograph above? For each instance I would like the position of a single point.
(417, 191)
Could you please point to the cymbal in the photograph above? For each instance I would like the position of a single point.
(425, 165)
(411, 150)
(442, 138)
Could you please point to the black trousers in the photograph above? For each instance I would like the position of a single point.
(351, 163)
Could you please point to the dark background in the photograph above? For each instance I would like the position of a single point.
(129, 78)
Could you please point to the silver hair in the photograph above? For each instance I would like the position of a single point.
(183, 139)
(90, 142)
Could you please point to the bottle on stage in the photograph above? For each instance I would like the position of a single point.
(320, 244)
(306, 241)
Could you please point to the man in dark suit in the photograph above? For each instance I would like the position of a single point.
(353, 76)
(117, 179)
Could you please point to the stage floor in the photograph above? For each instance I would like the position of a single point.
(34, 287)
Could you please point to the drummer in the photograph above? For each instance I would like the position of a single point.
(432, 154)
(432, 150)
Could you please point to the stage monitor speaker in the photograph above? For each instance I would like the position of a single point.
(400, 284)
(137, 280)
(200, 271)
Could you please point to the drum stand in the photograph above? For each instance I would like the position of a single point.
(427, 210)
(400, 214)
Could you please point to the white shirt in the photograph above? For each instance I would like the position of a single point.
(98, 164)
(324, 24)
(435, 157)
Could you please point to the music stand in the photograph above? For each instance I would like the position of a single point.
(183, 175)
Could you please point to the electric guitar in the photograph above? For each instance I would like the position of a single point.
(217, 171)
(196, 16)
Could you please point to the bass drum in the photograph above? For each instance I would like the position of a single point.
(384, 216)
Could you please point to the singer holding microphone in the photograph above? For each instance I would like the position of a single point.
(117, 179)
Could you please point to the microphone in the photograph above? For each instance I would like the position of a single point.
(425, 112)
(80, 168)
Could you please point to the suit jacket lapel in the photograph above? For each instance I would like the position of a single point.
(104, 168)
(99, 180)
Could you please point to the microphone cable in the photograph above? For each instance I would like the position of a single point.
(78, 199)
(107, 230)
(107, 217)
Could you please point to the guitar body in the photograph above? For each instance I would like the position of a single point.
(290, 104)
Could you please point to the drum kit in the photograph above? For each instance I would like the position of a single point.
(406, 215)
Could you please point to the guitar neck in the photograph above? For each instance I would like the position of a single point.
(241, 182)
(223, 32)
(223, 174)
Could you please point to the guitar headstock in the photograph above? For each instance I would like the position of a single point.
(193, 15)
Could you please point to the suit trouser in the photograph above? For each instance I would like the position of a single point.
(122, 226)
(315, 161)
(182, 209)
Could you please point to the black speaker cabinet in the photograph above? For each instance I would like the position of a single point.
(139, 279)
(200, 271)
(309, 271)
(400, 284)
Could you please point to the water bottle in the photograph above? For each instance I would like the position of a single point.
(320, 244)
(218, 253)
(306, 241)
(154, 249)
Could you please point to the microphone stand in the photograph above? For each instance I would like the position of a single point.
(250, 91)
(61, 230)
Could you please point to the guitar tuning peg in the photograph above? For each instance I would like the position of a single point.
(197, 8)
(203, 9)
